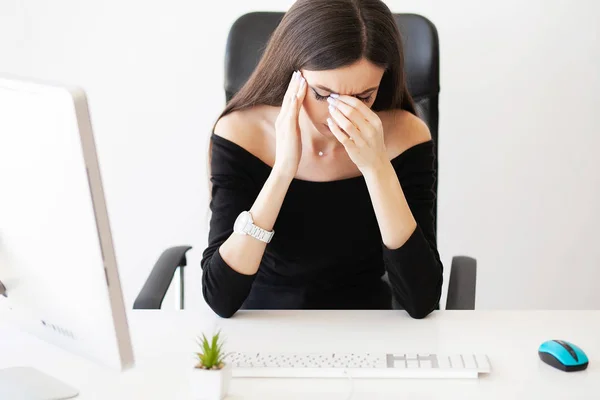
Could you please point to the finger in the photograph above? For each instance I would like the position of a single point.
(344, 139)
(360, 106)
(345, 124)
(355, 116)
(290, 92)
(300, 94)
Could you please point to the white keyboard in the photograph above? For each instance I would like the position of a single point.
(366, 365)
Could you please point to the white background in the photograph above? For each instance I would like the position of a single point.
(519, 180)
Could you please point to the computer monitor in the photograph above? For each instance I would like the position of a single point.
(58, 269)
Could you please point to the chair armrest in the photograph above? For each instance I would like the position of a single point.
(462, 285)
(152, 294)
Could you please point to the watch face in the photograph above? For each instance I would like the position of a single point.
(241, 222)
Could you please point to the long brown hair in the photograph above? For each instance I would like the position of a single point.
(321, 35)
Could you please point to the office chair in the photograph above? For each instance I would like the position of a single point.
(247, 40)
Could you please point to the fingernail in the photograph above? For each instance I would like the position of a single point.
(329, 121)
(331, 101)
(294, 75)
(298, 75)
(331, 108)
(334, 95)
(302, 83)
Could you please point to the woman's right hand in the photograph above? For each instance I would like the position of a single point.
(287, 131)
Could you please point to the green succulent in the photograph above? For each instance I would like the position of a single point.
(211, 356)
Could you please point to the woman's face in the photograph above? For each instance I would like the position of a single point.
(360, 80)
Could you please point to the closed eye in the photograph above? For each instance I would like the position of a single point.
(324, 98)
(318, 96)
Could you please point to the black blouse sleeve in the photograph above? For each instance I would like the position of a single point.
(415, 270)
(233, 191)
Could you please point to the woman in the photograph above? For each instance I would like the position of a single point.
(322, 175)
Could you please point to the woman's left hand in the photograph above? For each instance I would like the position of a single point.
(359, 130)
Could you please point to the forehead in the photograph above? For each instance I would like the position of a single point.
(351, 79)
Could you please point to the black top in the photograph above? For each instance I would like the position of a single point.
(327, 251)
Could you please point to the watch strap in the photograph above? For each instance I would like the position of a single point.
(258, 232)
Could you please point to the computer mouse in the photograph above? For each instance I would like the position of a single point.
(563, 355)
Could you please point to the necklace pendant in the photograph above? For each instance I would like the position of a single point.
(320, 154)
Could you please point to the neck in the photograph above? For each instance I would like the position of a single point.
(314, 142)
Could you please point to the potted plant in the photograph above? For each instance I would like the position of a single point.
(211, 374)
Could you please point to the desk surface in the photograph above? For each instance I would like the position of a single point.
(164, 342)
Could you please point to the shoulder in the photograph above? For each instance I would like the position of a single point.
(403, 130)
(249, 129)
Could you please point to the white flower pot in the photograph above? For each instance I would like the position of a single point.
(209, 384)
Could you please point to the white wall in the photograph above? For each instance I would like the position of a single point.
(519, 184)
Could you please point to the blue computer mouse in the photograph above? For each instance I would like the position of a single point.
(563, 355)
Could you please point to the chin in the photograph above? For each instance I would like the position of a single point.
(325, 131)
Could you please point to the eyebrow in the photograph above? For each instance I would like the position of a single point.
(357, 94)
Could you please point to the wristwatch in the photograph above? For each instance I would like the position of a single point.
(244, 225)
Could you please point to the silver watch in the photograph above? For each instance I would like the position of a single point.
(244, 225)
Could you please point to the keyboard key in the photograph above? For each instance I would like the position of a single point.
(469, 361)
(443, 362)
(341, 356)
(378, 362)
(482, 362)
(456, 361)
(412, 363)
(426, 364)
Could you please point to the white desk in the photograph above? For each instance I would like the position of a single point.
(164, 342)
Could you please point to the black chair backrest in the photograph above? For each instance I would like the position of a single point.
(250, 33)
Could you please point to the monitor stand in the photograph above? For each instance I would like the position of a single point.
(24, 383)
